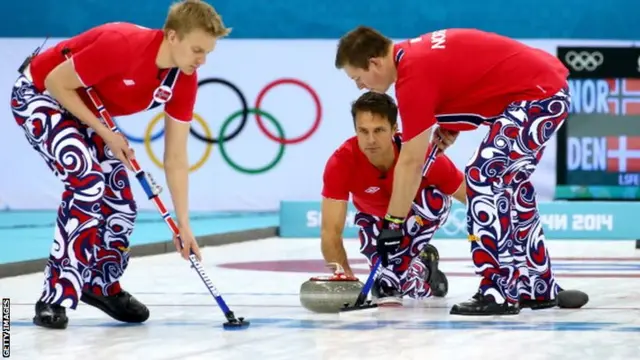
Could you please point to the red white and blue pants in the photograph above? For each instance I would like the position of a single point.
(430, 210)
(97, 211)
(503, 222)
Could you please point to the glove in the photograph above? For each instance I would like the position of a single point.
(389, 239)
(338, 274)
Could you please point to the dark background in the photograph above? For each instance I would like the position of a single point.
(597, 185)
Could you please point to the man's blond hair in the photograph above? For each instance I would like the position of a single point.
(188, 15)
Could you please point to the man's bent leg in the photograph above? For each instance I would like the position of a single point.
(56, 136)
(489, 214)
(423, 278)
(120, 211)
(489, 223)
(540, 121)
(387, 284)
(538, 288)
(112, 251)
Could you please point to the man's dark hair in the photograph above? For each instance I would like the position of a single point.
(376, 103)
(360, 45)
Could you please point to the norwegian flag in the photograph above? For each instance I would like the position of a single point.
(624, 96)
(623, 154)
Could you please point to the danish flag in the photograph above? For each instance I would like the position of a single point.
(623, 154)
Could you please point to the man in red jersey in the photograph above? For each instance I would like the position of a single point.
(363, 167)
(132, 69)
(461, 79)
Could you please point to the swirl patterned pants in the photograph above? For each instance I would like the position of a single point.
(429, 211)
(507, 240)
(90, 248)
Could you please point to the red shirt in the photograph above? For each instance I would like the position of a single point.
(462, 78)
(348, 171)
(118, 60)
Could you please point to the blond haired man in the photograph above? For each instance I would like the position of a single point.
(133, 69)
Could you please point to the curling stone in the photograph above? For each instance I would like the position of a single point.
(572, 299)
(326, 294)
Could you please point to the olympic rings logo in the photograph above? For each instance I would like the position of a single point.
(584, 60)
(223, 136)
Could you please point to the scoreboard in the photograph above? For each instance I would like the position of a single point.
(599, 144)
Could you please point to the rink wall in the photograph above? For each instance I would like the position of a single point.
(26, 237)
(561, 221)
(23, 267)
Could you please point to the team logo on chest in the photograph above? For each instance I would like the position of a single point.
(372, 190)
(162, 94)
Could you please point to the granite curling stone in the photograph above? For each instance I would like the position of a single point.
(572, 299)
(325, 294)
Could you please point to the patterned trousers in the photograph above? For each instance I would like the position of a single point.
(429, 211)
(507, 239)
(96, 215)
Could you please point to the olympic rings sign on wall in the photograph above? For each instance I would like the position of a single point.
(584, 60)
(243, 113)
